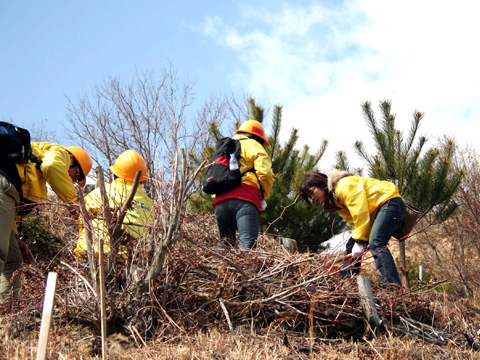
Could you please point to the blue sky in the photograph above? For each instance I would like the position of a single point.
(319, 59)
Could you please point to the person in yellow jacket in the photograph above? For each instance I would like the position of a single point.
(138, 217)
(373, 207)
(23, 186)
(239, 209)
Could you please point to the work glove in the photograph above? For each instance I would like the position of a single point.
(357, 249)
(263, 205)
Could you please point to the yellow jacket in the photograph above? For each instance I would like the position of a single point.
(117, 192)
(253, 155)
(359, 199)
(54, 164)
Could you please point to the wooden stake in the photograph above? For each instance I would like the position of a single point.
(368, 304)
(103, 315)
(47, 315)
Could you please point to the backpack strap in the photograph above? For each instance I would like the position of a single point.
(259, 183)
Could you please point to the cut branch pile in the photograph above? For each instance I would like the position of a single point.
(258, 289)
(270, 288)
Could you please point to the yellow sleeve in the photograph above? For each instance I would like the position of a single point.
(140, 213)
(93, 202)
(352, 196)
(345, 214)
(254, 155)
(94, 206)
(54, 168)
(263, 169)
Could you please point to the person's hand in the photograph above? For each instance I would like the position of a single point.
(357, 250)
(263, 205)
(26, 253)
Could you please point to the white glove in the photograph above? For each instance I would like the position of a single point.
(263, 205)
(357, 249)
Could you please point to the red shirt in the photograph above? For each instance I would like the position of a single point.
(243, 192)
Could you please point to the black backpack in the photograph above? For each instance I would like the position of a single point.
(15, 145)
(15, 148)
(219, 178)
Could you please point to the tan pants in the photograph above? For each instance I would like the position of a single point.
(10, 255)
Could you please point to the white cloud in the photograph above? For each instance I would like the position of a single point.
(209, 26)
(322, 62)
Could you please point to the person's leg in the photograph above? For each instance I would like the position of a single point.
(388, 218)
(10, 255)
(13, 263)
(226, 223)
(247, 222)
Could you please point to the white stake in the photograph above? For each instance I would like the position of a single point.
(420, 272)
(47, 315)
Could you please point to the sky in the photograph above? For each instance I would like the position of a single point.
(318, 59)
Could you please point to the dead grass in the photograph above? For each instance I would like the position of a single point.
(243, 345)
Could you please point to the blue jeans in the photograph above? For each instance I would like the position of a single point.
(389, 217)
(236, 214)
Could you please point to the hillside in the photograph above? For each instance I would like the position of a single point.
(265, 304)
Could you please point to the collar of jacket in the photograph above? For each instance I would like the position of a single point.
(334, 177)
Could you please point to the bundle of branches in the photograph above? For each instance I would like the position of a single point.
(269, 287)
(257, 289)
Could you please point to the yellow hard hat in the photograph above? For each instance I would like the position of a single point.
(127, 165)
(253, 127)
(84, 160)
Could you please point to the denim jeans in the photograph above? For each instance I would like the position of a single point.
(389, 217)
(236, 214)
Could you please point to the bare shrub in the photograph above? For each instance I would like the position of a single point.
(151, 114)
(455, 243)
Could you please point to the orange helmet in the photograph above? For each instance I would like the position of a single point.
(127, 165)
(253, 127)
(83, 159)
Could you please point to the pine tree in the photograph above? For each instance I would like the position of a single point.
(425, 178)
(286, 215)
